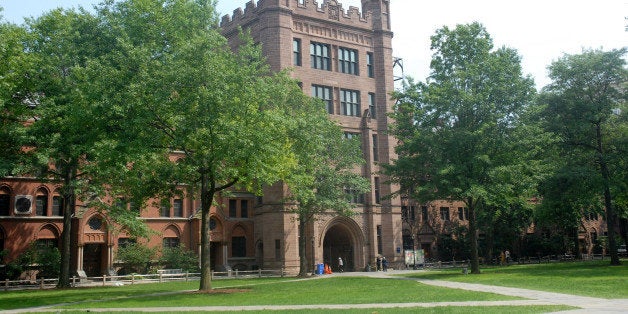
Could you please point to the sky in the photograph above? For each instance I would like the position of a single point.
(541, 31)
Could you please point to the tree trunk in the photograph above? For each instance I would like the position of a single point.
(623, 229)
(610, 214)
(490, 243)
(207, 196)
(69, 200)
(610, 224)
(576, 243)
(473, 233)
(303, 264)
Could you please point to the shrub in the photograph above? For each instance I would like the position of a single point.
(48, 261)
(136, 257)
(179, 257)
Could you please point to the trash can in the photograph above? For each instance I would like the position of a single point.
(320, 269)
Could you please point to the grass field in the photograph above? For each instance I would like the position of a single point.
(589, 279)
(593, 279)
(433, 310)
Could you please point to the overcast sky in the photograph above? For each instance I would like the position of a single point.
(540, 30)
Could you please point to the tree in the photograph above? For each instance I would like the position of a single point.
(220, 115)
(325, 179)
(458, 132)
(503, 226)
(68, 126)
(583, 106)
(15, 95)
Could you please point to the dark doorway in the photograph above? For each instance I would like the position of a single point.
(92, 259)
(213, 252)
(426, 250)
(338, 243)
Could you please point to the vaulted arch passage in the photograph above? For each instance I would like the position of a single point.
(339, 242)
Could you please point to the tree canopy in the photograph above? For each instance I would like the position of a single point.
(15, 95)
(584, 107)
(327, 176)
(458, 131)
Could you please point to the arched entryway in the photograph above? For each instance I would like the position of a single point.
(95, 250)
(217, 237)
(342, 239)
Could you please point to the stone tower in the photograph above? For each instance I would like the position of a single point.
(343, 56)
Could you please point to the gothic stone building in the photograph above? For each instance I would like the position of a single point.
(343, 57)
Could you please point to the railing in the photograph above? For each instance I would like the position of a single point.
(160, 276)
(523, 260)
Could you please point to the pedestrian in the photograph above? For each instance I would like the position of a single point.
(341, 265)
(379, 263)
(502, 258)
(507, 256)
(384, 264)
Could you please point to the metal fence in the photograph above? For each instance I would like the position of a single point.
(165, 275)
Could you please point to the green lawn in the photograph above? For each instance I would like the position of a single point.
(594, 279)
(433, 310)
(590, 279)
(335, 290)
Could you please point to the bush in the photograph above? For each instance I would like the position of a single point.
(136, 257)
(46, 260)
(179, 257)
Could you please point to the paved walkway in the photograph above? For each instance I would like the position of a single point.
(533, 297)
(586, 304)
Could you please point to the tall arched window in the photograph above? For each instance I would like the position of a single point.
(5, 201)
(41, 202)
(238, 242)
(57, 205)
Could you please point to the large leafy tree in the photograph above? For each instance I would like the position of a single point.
(15, 94)
(584, 106)
(327, 175)
(221, 115)
(65, 139)
(458, 131)
(78, 137)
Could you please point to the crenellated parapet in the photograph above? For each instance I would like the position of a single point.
(328, 10)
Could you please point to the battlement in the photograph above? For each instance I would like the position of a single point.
(328, 10)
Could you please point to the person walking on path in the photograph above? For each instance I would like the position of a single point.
(384, 264)
(341, 265)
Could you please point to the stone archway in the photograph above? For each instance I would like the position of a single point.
(95, 253)
(342, 239)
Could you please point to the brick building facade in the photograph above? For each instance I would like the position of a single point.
(344, 57)
(340, 55)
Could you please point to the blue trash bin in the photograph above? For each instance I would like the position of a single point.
(320, 269)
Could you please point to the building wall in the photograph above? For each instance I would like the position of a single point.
(275, 24)
(95, 238)
(269, 228)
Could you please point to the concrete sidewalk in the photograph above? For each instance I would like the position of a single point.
(586, 304)
(533, 297)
